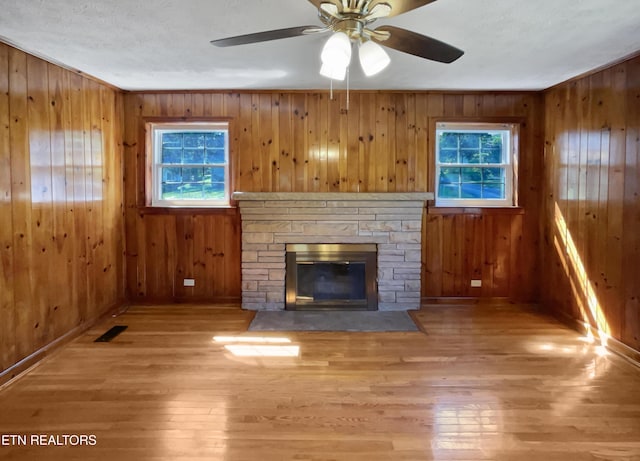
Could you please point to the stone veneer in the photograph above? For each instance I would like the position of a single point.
(270, 220)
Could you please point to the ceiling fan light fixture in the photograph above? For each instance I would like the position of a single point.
(373, 58)
(333, 72)
(337, 51)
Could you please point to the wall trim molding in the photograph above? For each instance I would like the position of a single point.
(30, 362)
(618, 347)
(465, 300)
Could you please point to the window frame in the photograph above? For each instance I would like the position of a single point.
(154, 130)
(509, 163)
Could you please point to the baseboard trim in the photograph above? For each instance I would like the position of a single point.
(19, 369)
(234, 301)
(464, 300)
(614, 345)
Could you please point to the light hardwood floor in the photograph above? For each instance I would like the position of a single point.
(485, 382)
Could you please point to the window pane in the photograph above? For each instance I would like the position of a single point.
(191, 191)
(493, 191)
(470, 140)
(215, 174)
(193, 174)
(194, 140)
(215, 140)
(214, 191)
(471, 191)
(471, 174)
(171, 191)
(492, 155)
(215, 156)
(193, 156)
(171, 175)
(448, 140)
(491, 141)
(449, 175)
(172, 140)
(449, 191)
(493, 175)
(469, 155)
(171, 155)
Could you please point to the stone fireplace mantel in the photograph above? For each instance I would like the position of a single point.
(334, 196)
(270, 220)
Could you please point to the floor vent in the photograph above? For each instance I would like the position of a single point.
(111, 333)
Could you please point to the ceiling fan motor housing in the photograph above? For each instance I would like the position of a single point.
(352, 27)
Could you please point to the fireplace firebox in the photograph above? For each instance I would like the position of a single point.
(331, 276)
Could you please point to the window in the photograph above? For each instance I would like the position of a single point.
(474, 164)
(190, 164)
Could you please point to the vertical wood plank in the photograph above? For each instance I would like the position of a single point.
(381, 159)
(244, 174)
(299, 154)
(313, 149)
(352, 172)
(450, 252)
(432, 256)
(366, 154)
(400, 142)
(62, 309)
(334, 151)
(325, 103)
(7, 301)
(285, 113)
(423, 172)
(41, 197)
(502, 249)
(473, 254)
(615, 202)
(413, 176)
(21, 204)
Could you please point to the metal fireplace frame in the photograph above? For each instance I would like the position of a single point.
(343, 253)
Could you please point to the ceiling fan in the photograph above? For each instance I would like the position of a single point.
(350, 21)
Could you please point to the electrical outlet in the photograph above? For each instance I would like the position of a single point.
(189, 282)
(476, 283)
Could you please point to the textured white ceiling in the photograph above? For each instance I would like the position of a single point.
(164, 44)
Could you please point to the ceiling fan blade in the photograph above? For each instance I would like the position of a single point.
(399, 6)
(265, 36)
(418, 45)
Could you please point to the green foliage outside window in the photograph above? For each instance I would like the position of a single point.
(471, 165)
(193, 165)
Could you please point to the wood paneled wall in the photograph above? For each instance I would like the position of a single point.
(592, 220)
(61, 198)
(297, 141)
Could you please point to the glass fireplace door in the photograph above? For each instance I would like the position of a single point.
(331, 276)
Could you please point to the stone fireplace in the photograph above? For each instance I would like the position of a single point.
(390, 221)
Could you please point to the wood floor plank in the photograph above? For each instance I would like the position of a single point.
(486, 382)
